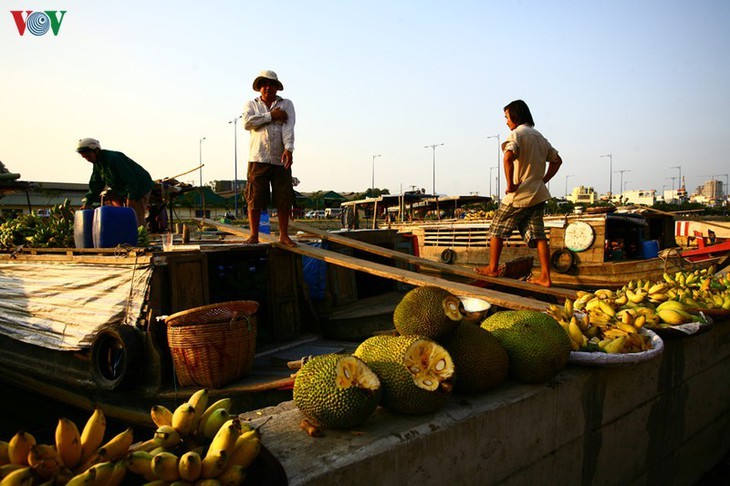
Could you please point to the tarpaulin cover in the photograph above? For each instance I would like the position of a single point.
(62, 306)
(315, 272)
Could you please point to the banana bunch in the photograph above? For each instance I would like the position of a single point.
(600, 327)
(55, 231)
(196, 442)
(700, 289)
(75, 458)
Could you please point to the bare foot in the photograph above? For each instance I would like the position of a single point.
(540, 281)
(486, 271)
(251, 241)
(285, 240)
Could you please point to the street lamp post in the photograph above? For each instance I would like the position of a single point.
(490, 180)
(372, 185)
(499, 151)
(566, 185)
(235, 165)
(433, 147)
(679, 179)
(622, 176)
(200, 162)
(673, 179)
(610, 175)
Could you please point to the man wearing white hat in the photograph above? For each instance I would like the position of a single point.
(270, 121)
(121, 174)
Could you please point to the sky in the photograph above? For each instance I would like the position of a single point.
(646, 81)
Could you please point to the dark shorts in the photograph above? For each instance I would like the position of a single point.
(265, 180)
(529, 221)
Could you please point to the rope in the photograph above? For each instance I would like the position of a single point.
(673, 254)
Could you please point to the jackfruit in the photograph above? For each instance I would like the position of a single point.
(428, 311)
(537, 345)
(336, 391)
(416, 372)
(480, 359)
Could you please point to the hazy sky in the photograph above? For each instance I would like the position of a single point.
(647, 81)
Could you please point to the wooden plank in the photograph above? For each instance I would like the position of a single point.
(494, 297)
(443, 267)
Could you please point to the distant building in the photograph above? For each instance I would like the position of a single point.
(639, 196)
(583, 195)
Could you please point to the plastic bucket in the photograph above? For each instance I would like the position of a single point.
(114, 226)
(83, 228)
(650, 249)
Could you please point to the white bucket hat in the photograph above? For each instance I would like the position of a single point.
(270, 75)
(88, 144)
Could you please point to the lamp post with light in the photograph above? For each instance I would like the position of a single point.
(200, 159)
(490, 180)
(235, 165)
(610, 175)
(372, 184)
(499, 151)
(566, 185)
(433, 147)
(622, 176)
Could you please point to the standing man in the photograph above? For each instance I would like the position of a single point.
(121, 174)
(270, 122)
(527, 154)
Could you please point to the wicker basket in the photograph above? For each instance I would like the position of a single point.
(213, 344)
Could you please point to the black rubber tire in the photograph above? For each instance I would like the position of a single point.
(559, 258)
(117, 355)
(448, 256)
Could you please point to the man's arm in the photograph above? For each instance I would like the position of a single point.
(509, 171)
(287, 134)
(252, 120)
(553, 167)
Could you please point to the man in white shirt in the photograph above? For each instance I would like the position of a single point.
(270, 121)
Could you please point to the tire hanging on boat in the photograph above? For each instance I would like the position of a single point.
(116, 357)
(448, 255)
(563, 260)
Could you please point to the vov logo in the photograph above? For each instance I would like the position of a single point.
(38, 23)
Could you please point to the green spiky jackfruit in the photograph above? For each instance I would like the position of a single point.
(336, 391)
(537, 345)
(480, 359)
(416, 372)
(428, 311)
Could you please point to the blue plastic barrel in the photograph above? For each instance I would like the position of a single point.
(264, 224)
(83, 228)
(650, 249)
(114, 226)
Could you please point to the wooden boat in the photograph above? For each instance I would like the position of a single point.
(604, 250)
(87, 326)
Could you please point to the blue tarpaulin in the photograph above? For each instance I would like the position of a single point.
(315, 272)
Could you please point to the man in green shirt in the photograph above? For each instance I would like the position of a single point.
(121, 174)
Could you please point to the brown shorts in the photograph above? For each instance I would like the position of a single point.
(265, 180)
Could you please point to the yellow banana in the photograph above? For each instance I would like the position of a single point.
(593, 304)
(627, 327)
(117, 446)
(4, 458)
(92, 434)
(576, 335)
(103, 472)
(161, 415)
(636, 297)
(44, 460)
(68, 442)
(606, 308)
(213, 464)
(19, 477)
(166, 437)
(639, 322)
(119, 472)
(221, 403)
(658, 288)
(568, 307)
(616, 345)
(190, 466)
(669, 279)
(247, 448)
(140, 462)
(214, 422)
(232, 475)
(183, 418)
(19, 447)
(614, 333)
(199, 402)
(621, 299)
(85, 478)
(165, 466)
(626, 317)
(672, 316)
(604, 294)
(225, 438)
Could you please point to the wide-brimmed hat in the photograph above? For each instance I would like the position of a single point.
(88, 144)
(271, 76)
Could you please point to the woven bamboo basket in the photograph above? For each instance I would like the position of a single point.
(213, 344)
